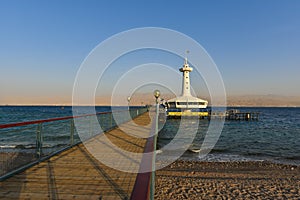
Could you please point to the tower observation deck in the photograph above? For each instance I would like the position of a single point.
(186, 104)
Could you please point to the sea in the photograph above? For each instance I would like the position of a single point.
(56, 134)
(275, 137)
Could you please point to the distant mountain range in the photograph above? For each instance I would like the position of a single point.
(264, 100)
(232, 100)
(148, 98)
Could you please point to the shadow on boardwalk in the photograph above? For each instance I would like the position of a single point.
(76, 174)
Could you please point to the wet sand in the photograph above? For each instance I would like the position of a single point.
(227, 180)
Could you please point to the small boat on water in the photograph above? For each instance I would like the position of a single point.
(186, 104)
(194, 150)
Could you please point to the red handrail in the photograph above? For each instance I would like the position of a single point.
(51, 119)
(144, 182)
(141, 188)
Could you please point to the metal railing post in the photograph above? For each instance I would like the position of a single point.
(90, 126)
(152, 184)
(130, 115)
(39, 141)
(72, 132)
(111, 116)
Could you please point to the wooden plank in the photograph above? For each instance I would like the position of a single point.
(76, 174)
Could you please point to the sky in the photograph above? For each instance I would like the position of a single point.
(255, 44)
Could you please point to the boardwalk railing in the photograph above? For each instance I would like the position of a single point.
(25, 144)
(144, 187)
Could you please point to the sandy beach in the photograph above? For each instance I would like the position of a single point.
(227, 180)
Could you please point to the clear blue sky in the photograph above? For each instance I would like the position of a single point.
(255, 44)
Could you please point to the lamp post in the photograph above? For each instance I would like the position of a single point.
(128, 99)
(156, 94)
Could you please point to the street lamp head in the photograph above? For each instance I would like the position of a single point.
(156, 93)
(128, 99)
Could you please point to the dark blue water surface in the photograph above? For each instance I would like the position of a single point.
(14, 114)
(274, 137)
(55, 133)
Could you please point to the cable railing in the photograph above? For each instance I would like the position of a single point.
(25, 144)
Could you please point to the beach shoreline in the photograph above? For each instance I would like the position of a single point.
(227, 180)
(187, 179)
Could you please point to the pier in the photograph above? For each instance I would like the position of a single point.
(75, 174)
(247, 116)
(72, 172)
(234, 114)
(228, 115)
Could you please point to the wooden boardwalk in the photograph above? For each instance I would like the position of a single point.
(76, 174)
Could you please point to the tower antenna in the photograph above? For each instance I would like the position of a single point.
(186, 53)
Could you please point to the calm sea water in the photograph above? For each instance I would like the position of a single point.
(275, 137)
(55, 134)
(14, 114)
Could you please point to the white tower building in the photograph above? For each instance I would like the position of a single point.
(186, 69)
(186, 102)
